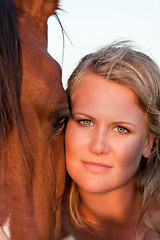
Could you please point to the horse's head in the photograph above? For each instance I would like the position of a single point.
(44, 108)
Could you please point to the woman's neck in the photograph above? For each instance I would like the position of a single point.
(117, 210)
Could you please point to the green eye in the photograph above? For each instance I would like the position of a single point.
(86, 122)
(121, 130)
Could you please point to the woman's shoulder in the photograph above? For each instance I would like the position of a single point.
(151, 224)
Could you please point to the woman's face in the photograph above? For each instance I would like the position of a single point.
(106, 137)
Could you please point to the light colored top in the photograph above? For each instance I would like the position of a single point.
(69, 237)
(4, 232)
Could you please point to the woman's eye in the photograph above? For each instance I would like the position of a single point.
(121, 130)
(85, 122)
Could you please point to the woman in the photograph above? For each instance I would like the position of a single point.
(112, 147)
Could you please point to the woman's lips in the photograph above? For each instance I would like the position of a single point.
(96, 167)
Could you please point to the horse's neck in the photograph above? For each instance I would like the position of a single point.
(33, 16)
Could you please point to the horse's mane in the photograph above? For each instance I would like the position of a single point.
(10, 79)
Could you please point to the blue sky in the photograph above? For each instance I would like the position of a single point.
(92, 24)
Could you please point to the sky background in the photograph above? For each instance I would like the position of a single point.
(91, 24)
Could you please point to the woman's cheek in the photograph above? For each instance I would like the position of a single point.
(130, 151)
(75, 132)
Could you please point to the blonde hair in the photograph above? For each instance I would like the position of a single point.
(120, 63)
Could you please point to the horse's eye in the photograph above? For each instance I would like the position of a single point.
(60, 124)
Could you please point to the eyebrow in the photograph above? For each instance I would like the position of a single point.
(83, 114)
(124, 122)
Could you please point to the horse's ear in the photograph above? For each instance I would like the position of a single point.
(50, 7)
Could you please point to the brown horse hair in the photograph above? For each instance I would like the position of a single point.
(32, 166)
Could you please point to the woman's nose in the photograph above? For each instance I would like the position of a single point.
(99, 142)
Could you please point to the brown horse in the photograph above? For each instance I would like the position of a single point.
(33, 160)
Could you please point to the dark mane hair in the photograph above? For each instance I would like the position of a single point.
(10, 80)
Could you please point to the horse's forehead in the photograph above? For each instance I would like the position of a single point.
(43, 100)
(44, 86)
